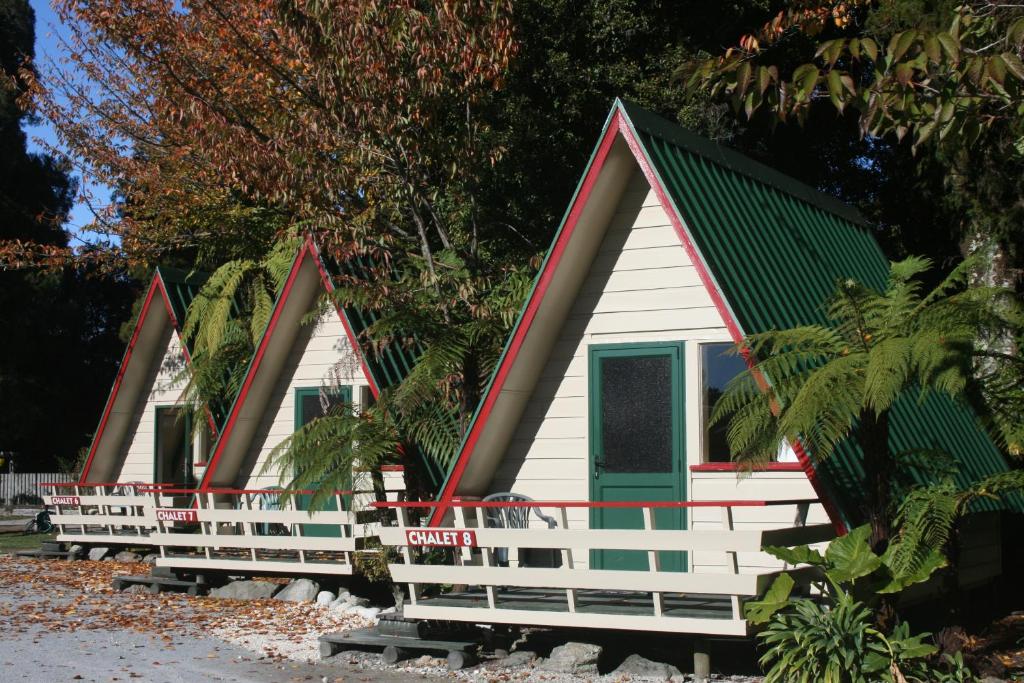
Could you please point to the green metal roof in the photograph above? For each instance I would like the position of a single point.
(182, 287)
(776, 248)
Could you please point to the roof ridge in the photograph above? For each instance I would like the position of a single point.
(733, 160)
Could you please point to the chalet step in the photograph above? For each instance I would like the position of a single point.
(156, 584)
(460, 653)
(164, 572)
(52, 546)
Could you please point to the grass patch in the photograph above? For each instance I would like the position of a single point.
(7, 518)
(10, 542)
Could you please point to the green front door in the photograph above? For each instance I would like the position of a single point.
(636, 443)
(309, 405)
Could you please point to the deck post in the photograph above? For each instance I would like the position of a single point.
(465, 552)
(488, 561)
(160, 527)
(567, 562)
(248, 528)
(106, 510)
(653, 562)
(403, 523)
(298, 528)
(701, 660)
(140, 528)
(732, 563)
(210, 505)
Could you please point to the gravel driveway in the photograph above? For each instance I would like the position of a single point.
(59, 621)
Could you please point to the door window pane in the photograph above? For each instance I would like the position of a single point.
(636, 413)
(718, 366)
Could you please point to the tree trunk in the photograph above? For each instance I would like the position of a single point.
(873, 436)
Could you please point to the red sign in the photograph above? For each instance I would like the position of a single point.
(441, 538)
(66, 500)
(172, 515)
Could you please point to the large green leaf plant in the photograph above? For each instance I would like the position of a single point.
(836, 638)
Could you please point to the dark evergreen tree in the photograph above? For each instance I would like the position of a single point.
(59, 344)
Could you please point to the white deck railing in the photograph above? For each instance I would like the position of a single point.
(262, 530)
(108, 512)
(574, 594)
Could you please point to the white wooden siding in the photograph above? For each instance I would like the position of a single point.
(641, 287)
(317, 355)
(163, 390)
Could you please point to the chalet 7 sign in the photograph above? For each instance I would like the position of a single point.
(441, 538)
(171, 515)
(66, 500)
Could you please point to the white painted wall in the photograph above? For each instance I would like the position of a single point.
(137, 464)
(314, 356)
(642, 287)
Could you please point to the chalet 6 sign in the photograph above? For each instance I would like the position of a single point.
(441, 538)
(66, 500)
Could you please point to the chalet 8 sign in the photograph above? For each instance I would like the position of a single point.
(66, 500)
(441, 538)
(171, 515)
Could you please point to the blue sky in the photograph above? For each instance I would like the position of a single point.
(48, 28)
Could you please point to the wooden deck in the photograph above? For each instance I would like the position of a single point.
(514, 587)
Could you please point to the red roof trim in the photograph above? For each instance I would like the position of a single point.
(716, 296)
(310, 249)
(529, 313)
(329, 285)
(155, 285)
(618, 125)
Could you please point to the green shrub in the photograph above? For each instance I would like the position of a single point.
(835, 638)
(809, 642)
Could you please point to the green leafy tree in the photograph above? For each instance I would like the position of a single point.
(819, 385)
(946, 77)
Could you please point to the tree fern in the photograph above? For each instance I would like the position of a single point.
(927, 515)
(822, 385)
(322, 454)
(223, 324)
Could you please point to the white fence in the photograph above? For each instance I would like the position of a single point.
(27, 483)
(561, 590)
